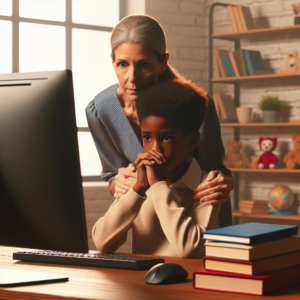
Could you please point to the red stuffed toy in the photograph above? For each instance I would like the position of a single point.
(267, 159)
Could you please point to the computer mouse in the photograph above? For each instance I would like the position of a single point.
(166, 273)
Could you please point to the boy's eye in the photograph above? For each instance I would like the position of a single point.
(146, 138)
(167, 138)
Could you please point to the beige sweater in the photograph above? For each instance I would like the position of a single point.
(165, 222)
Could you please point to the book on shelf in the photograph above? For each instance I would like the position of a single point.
(237, 18)
(245, 17)
(250, 233)
(253, 210)
(216, 103)
(255, 64)
(217, 54)
(216, 64)
(226, 109)
(228, 66)
(252, 252)
(232, 19)
(246, 284)
(236, 63)
(260, 266)
(254, 202)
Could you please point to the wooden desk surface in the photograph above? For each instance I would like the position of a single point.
(101, 283)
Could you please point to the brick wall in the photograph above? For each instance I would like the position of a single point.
(183, 23)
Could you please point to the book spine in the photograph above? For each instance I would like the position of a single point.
(248, 17)
(232, 19)
(228, 66)
(234, 64)
(243, 62)
(250, 67)
(237, 18)
(216, 65)
(242, 19)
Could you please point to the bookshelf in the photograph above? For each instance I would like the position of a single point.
(280, 78)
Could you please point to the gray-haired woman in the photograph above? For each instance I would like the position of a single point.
(140, 59)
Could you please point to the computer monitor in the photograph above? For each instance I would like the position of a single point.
(41, 197)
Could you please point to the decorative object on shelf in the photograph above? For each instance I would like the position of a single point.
(267, 159)
(246, 115)
(292, 63)
(281, 198)
(270, 106)
(234, 158)
(296, 10)
(292, 159)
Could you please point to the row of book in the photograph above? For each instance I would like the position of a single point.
(238, 63)
(240, 18)
(251, 258)
(253, 206)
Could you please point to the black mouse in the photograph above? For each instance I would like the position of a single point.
(166, 273)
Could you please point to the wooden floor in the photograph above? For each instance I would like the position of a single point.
(109, 284)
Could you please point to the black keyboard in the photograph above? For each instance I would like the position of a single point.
(117, 261)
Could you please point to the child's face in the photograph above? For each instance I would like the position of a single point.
(160, 134)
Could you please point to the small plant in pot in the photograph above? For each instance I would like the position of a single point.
(296, 10)
(270, 106)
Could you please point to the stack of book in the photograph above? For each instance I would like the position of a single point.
(238, 63)
(252, 258)
(253, 206)
(240, 18)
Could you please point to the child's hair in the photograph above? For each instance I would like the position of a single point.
(179, 101)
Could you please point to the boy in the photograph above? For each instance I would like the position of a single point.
(160, 209)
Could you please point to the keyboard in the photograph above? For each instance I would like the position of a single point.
(114, 260)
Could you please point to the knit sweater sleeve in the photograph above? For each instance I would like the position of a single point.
(183, 232)
(110, 231)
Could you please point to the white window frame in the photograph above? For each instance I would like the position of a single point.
(69, 25)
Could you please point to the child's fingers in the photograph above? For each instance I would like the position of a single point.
(143, 163)
(141, 157)
(158, 152)
(159, 157)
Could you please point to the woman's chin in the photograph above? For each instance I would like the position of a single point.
(132, 97)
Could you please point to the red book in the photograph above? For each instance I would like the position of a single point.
(246, 284)
(255, 267)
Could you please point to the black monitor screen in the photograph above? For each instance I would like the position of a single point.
(41, 198)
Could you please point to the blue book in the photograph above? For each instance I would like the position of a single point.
(254, 62)
(227, 64)
(250, 233)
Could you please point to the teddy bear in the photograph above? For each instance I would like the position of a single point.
(292, 63)
(233, 157)
(292, 159)
(267, 159)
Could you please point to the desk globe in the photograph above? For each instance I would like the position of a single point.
(281, 197)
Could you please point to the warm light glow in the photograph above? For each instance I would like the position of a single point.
(5, 47)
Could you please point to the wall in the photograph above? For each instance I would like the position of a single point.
(183, 23)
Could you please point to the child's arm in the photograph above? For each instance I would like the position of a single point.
(110, 231)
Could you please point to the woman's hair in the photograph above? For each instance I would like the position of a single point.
(146, 31)
(179, 101)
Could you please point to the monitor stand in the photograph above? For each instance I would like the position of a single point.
(13, 278)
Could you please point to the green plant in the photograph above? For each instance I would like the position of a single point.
(270, 103)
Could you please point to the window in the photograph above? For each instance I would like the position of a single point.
(43, 35)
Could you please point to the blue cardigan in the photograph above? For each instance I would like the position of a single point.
(118, 145)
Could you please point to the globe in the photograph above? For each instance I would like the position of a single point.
(281, 197)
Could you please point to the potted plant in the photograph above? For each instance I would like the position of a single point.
(270, 106)
(296, 10)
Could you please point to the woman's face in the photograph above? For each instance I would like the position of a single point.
(136, 67)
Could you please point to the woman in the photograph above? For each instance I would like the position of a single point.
(140, 59)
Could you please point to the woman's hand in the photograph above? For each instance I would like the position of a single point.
(124, 180)
(215, 189)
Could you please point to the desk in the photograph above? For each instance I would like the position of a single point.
(101, 283)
